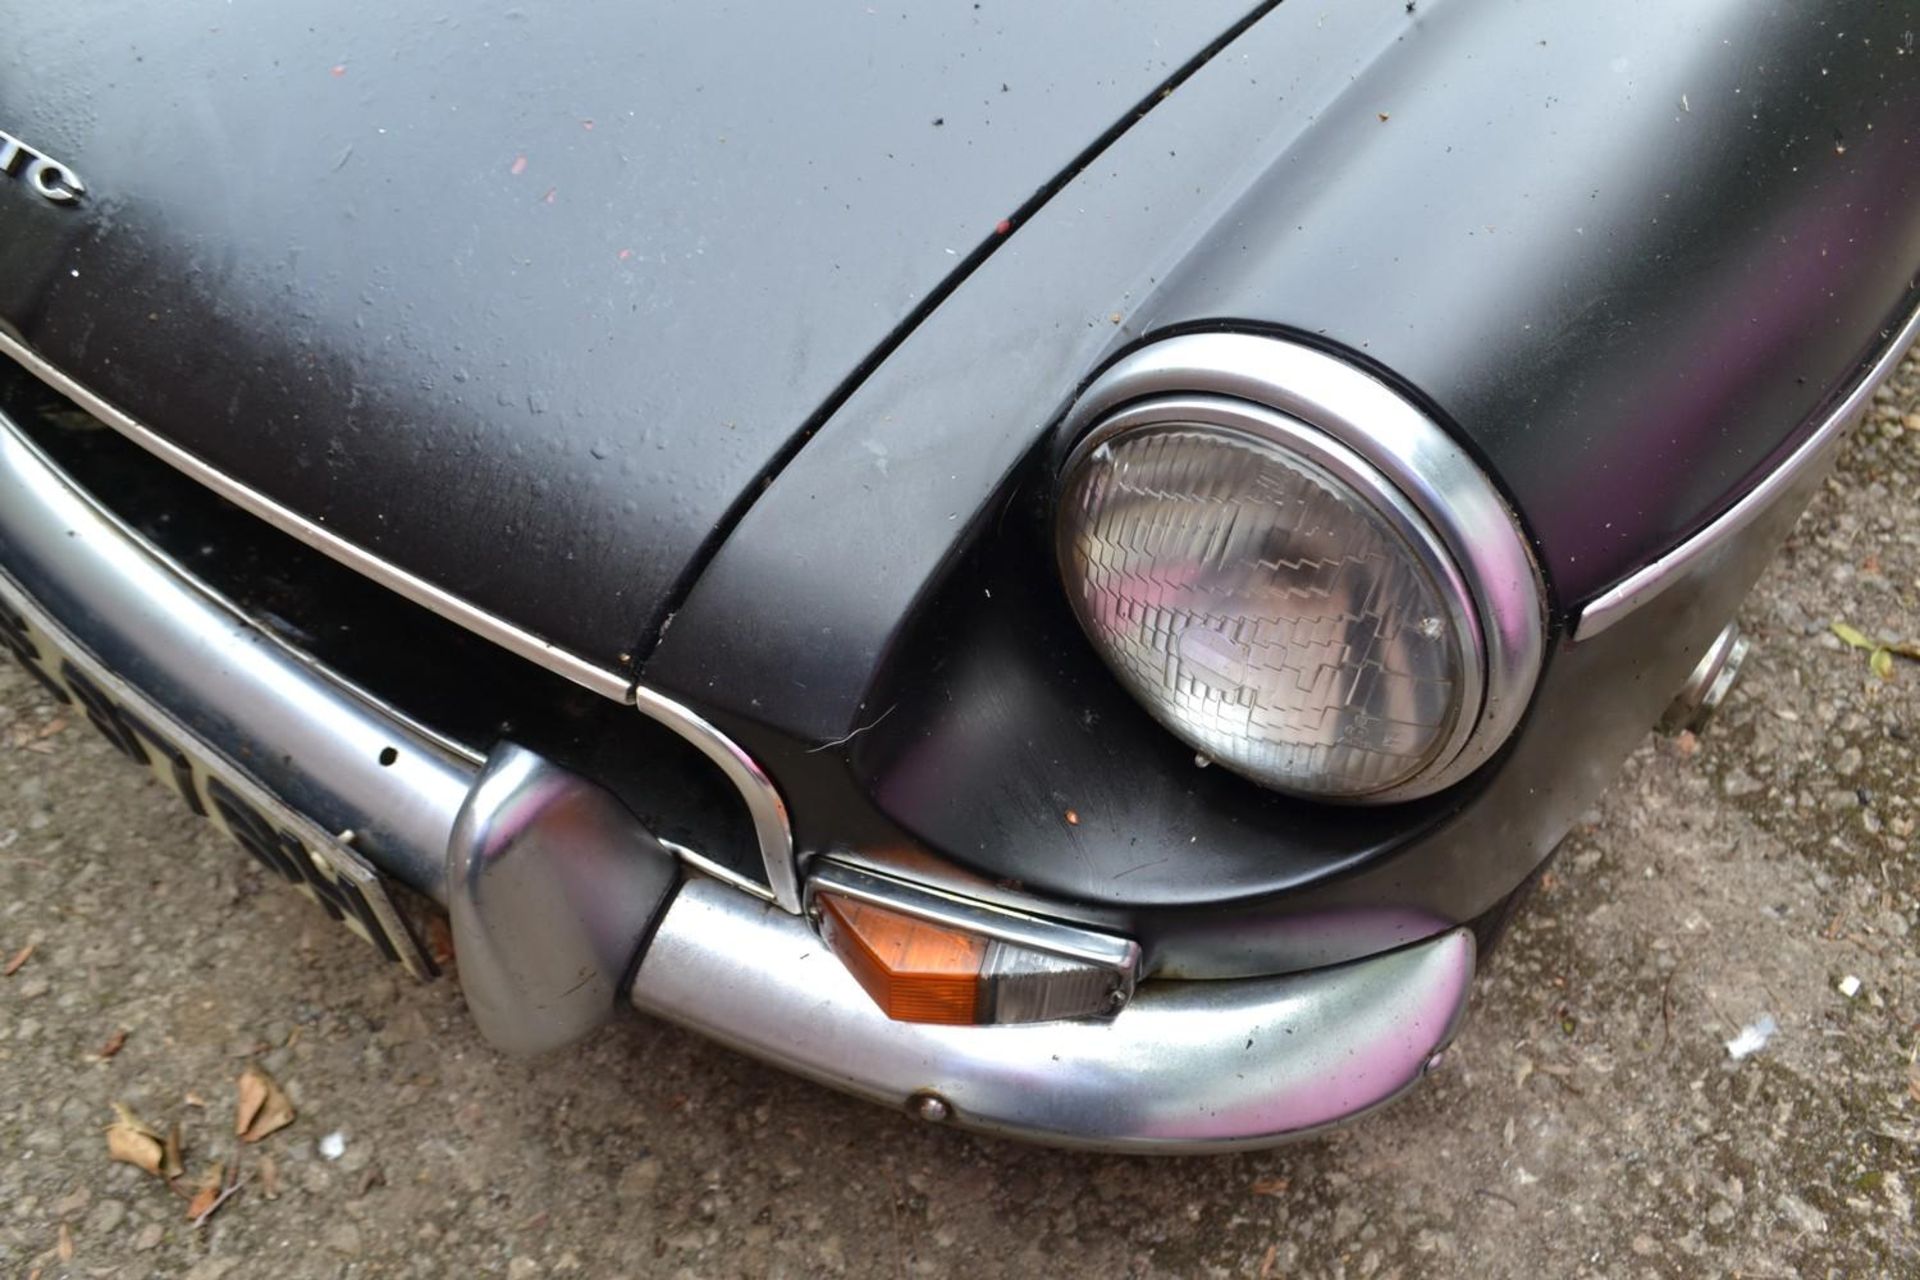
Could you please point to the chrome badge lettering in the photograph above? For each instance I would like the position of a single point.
(53, 180)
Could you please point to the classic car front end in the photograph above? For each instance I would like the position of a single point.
(1063, 570)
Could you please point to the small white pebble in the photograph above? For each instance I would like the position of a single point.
(1849, 986)
(334, 1145)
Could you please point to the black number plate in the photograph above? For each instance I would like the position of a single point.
(317, 863)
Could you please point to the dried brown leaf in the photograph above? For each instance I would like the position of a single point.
(216, 1188)
(207, 1194)
(439, 937)
(64, 1247)
(202, 1202)
(171, 1164)
(269, 1178)
(1272, 1186)
(264, 1106)
(131, 1141)
(115, 1043)
(252, 1091)
(1913, 1081)
(20, 957)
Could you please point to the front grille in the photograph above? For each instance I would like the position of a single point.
(436, 673)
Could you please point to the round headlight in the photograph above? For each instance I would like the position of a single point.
(1273, 596)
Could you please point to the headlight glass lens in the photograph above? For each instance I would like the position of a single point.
(1269, 600)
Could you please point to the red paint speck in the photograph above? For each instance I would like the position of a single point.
(339, 70)
(625, 254)
(519, 166)
(1003, 226)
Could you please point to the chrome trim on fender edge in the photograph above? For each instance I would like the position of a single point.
(771, 827)
(1637, 588)
(772, 830)
(1432, 473)
(1187, 1066)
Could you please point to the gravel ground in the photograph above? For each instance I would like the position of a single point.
(1590, 1121)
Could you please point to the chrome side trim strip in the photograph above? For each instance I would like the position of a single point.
(708, 867)
(1638, 588)
(309, 740)
(1430, 470)
(1187, 1066)
(772, 829)
(609, 684)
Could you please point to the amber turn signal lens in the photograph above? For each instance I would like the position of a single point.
(916, 971)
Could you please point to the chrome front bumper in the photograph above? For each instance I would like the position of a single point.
(563, 905)
(1187, 1066)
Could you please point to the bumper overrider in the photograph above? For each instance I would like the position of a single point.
(564, 906)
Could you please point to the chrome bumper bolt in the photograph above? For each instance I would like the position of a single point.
(931, 1107)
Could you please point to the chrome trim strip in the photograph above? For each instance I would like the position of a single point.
(306, 738)
(1429, 469)
(1633, 591)
(708, 867)
(609, 684)
(374, 702)
(1017, 927)
(1188, 1066)
(313, 737)
(772, 829)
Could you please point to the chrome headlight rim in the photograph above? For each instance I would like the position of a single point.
(1408, 467)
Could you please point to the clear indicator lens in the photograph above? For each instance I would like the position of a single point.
(1263, 609)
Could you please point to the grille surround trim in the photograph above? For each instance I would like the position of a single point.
(773, 830)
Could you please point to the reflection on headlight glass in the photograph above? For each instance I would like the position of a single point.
(1261, 609)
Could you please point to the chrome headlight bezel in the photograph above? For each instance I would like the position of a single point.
(1412, 474)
